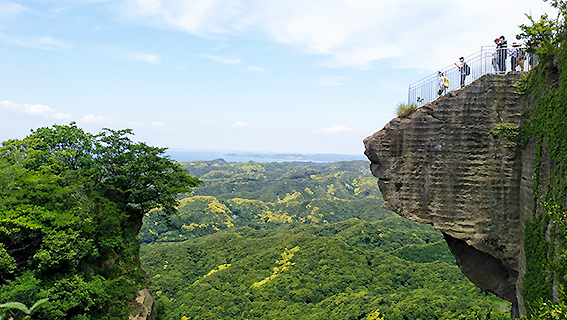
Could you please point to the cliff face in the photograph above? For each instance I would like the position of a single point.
(442, 166)
(143, 306)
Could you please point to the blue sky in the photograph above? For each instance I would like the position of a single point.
(291, 76)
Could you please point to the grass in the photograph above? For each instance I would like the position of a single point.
(405, 110)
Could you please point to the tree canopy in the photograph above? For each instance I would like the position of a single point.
(71, 205)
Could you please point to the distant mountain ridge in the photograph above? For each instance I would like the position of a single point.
(245, 156)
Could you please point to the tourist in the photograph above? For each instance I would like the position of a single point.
(440, 83)
(513, 56)
(520, 57)
(443, 83)
(502, 47)
(464, 70)
(495, 57)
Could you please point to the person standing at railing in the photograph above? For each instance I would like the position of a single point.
(518, 56)
(440, 83)
(532, 59)
(502, 47)
(464, 70)
(443, 83)
(513, 53)
(496, 57)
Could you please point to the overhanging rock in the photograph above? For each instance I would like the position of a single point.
(442, 166)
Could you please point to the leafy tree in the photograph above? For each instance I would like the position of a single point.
(71, 205)
(543, 36)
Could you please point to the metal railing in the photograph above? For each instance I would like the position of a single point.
(487, 60)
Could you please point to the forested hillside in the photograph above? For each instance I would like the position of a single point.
(301, 241)
(266, 195)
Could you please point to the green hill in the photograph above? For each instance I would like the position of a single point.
(268, 195)
(301, 241)
(345, 270)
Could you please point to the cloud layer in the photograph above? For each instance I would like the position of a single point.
(348, 33)
(354, 33)
(45, 112)
(36, 110)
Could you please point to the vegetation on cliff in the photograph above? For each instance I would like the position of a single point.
(405, 110)
(71, 204)
(545, 122)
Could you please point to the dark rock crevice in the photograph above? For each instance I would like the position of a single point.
(483, 269)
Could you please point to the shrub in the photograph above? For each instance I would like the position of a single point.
(405, 110)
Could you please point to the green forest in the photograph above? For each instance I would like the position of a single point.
(301, 241)
(267, 195)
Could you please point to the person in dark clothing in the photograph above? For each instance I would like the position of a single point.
(502, 48)
(464, 70)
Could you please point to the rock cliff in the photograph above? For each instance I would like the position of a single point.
(442, 166)
(143, 306)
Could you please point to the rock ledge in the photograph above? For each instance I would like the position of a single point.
(442, 166)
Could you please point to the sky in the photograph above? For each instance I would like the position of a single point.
(282, 76)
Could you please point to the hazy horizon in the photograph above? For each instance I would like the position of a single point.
(245, 156)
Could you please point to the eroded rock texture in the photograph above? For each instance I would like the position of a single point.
(443, 167)
(143, 306)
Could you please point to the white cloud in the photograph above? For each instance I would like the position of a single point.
(43, 111)
(242, 124)
(33, 110)
(418, 34)
(38, 42)
(49, 43)
(329, 81)
(145, 57)
(157, 124)
(9, 9)
(125, 54)
(198, 17)
(257, 69)
(221, 59)
(154, 124)
(335, 129)
(135, 124)
(96, 119)
(91, 1)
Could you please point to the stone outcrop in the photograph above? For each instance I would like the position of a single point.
(143, 306)
(442, 166)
